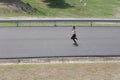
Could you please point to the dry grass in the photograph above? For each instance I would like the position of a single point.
(83, 71)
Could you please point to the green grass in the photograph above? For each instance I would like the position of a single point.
(69, 8)
(37, 24)
(7, 24)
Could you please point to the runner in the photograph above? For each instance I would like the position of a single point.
(73, 37)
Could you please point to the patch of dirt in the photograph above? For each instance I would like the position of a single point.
(18, 6)
(117, 15)
(84, 71)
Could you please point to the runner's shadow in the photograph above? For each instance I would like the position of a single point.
(76, 44)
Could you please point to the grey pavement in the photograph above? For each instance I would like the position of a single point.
(55, 41)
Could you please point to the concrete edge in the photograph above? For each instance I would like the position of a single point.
(59, 60)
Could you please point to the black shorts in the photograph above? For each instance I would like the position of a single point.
(73, 36)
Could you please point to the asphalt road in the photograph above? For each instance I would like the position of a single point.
(55, 41)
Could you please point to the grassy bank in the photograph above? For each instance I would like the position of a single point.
(81, 71)
(59, 24)
(67, 8)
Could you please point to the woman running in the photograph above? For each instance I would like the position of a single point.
(73, 37)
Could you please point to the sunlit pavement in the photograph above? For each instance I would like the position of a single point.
(55, 41)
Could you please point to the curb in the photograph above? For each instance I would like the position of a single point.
(59, 60)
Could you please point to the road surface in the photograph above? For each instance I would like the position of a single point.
(55, 41)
